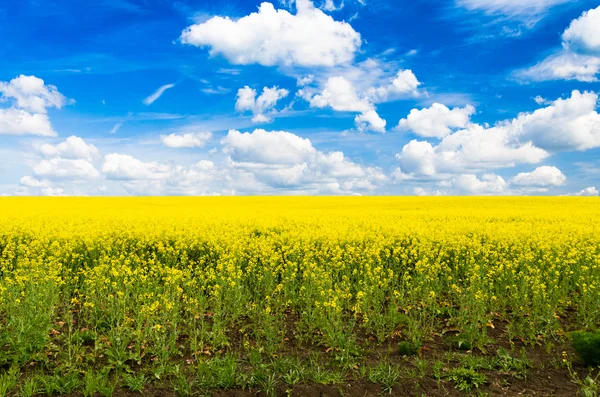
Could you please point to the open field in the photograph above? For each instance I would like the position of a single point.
(300, 296)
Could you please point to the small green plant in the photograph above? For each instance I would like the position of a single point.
(422, 366)
(477, 362)
(7, 383)
(590, 387)
(385, 375)
(65, 383)
(98, 382)
(406, 348)
(465, 379)
(135, 382)
(68, 382)
(587, 345)
(293, 376)
(182, 385)
(517, 367)
(438, 372)
(30, 387)
(90, 384)
(459, 342)
(269, 384)
(323, 376)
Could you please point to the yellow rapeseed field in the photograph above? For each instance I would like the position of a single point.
(135, 281)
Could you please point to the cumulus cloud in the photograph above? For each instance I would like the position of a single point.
(340, 94)
(566, 125)
(124, 167)
(186, 140)
(371, 121)
(474, 148)
(157, 94)
(280, 159)
(262, 106)
(583, 35)
(544, 176)
(405, 83)
(436, 121)
(472, 185)
(277, 147)
(589, 191)
(259, 162)
(29, 181)
(200, 179)
(72, 148)
(579, 58)
(359, 89)
(59, 168)
(29, 99)
(30, 93)
(276, 37)
(20, 122)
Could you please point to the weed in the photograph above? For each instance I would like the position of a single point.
(465, 379)
(385, 375)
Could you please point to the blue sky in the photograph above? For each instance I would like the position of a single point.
(370, 97)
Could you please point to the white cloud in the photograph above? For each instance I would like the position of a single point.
(72, 148)
(29, 99)
(419, 191)
(329, 5)
(544, 176)
(305, 80)
(472, 185)
(583, 35)
(116, 128)
(531, 9)
(278, 147)
(589, 191)
(59, 168)
(566, 125)
(276, 37)
(436, 121)
(280, 159)
(32, 182)
(157, 94)
(20, 122)
(417, 157)
(579, 58)
(564, 65)
(124, 167)
(261, 106)
(371, 121)
(340, 94)
(32, 94)
(474, 148)
(358, 89)
(186, 140)
(260, 162)
(405, 83)
(52, 191)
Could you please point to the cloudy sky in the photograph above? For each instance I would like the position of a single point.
(328, 97)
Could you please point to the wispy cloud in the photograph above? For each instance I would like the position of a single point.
(157, 94)
(115, 128)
